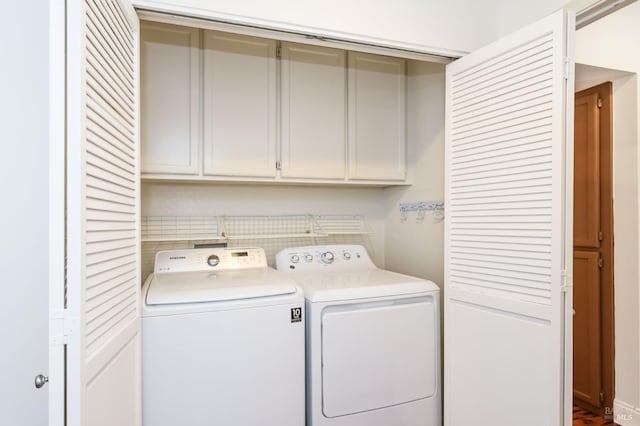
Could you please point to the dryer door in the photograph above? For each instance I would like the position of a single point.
(378, 354)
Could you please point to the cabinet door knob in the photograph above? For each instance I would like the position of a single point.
(41, 380)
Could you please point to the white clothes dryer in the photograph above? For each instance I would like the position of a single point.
(222, 341)
(373, 340)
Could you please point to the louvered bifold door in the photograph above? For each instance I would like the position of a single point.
(508, 218)
(103, 203)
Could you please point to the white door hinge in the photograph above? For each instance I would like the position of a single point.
(565, 67)
(279, 52)
(278, 165)
(63, 326)
(566, 281)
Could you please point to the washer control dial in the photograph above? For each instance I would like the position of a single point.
(327, 257)
(213, 260)
(308, 258)
(295, 258)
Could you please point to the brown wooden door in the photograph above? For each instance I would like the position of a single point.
(593, 251)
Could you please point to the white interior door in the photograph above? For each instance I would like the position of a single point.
(103, 202)
(509, 162)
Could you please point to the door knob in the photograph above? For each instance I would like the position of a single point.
(40, 381)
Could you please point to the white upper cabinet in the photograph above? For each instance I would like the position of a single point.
(239, 105)
(170, 98)
(313, 88)
(218, 106)
(377, 143)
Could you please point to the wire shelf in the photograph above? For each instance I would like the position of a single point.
(280, 226)
(342, 225)
(176, 228)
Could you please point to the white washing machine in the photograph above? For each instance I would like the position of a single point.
(373, 356)
(222, 341)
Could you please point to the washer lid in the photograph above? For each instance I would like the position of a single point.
(359, 284)
(198, 287)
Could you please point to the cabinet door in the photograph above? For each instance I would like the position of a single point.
(376, 117)
(170, 98)
(239, 105)
(313, 112)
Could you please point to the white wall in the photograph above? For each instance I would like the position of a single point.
(513, 15)
(413, 247)
(612, 42)
(626, 284)
(451, 27)
(23, 246)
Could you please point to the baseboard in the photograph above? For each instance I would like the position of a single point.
(625, 414)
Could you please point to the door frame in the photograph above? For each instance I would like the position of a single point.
(567, 279)
(57, 208)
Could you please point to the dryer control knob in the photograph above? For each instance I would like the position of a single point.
(308, 258)
(295, 258)
(346, 255)
(327, 257)
(213, 260)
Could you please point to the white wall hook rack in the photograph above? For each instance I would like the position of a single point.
(419, 206)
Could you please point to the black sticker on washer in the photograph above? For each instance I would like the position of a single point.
(296, 314)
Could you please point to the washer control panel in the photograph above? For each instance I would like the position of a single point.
(210, 259)
(330, 257)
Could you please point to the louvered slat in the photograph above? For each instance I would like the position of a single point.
(115, 280)
(103, 194)
(103, 88)
(120, 25)
(104, 236)
(109, 43)
(119, 41)
(112, 121)
(100, 185)
(116, 110)
(101, 332)
(114, 262)
(111, 175)
(510, 257)
(105, 175)
(522, 87)
(113, 156)
(106, 303)
(104, 255)
(102, 137)
(104, 66)
(493, 68)
(95, 71)
(500, 150)
(108, 277)
(501, 161)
